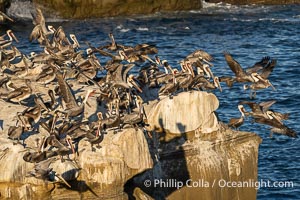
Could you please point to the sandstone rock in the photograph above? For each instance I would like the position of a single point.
(183, 113)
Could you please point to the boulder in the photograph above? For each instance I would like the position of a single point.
(184, 112)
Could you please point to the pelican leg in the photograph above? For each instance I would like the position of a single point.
(254, 95)
(271, 134)
(93, 149)
(62, 158)
(149, 134)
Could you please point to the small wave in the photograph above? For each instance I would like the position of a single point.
(124, 30)
(225, 8)
(142, 29)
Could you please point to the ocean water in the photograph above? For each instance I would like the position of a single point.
(247, 32)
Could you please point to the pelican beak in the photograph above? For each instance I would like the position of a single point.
(69, 141)
(218, 85)
(14, 37)
(272, 86)
(136, 86)
(207, 62)
(63, 180)
(6, 17)
(88, 104)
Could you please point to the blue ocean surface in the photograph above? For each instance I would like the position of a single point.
(248, 33)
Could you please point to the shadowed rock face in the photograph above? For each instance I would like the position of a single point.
(109, 8)
(4, 4)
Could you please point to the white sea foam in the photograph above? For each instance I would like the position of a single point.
(142, 29)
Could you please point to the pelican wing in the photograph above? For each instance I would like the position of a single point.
(201, 54)
(266, 105)
(270, 122)
(254, 106)
(66, 91)
(39, 19)
(259, 65)
(268, 69)
(14, 94)
(104, 53)
(234, 65)
(127, 69)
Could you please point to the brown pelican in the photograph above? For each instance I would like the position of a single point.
(200, 55)
(38, 34)
(99, 136)
(5, 43)
(112, 46)
(62, 150)
(169, 87)
(258, 86)
(258, 110)
(139, 53)
(277, 126)
(113, 118)
(15, 132)
(42, 171)
(131, 82)
(19, 94)
(135, 118)
(72, 108)
(46, 76)
(237, 122)
(39, 19)
(241, 75)
(228, 80)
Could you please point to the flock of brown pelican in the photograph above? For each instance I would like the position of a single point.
(62, 66)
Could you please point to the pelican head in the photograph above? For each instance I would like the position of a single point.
(123, 55)
(131, 82)
(245, 87)
(270, 114)
(157, 60)
(75, 41)
(207, 71)
(241, 109)
(270, 84)
(217, 83)
(89, 51)
(11, 35)
(51, 29)
(256, 77)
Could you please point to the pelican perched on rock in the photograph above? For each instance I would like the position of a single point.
(72, 108)
(7, 42)
(237, 122)
(43, 171)
(19, 94)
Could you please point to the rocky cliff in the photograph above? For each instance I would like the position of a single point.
(262, 2)
(185, 144)
(109, 8)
